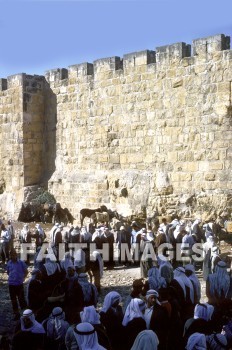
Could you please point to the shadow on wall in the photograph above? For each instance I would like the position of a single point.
(50, 127)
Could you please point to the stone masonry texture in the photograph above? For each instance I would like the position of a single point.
(142, 131)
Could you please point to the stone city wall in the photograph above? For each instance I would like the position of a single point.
(152, 129)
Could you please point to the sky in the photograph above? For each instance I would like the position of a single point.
(39, 35)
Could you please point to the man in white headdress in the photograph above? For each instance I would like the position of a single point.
(190, 273)
(196, 230)
(86, 338)
(66, 262)
(31, 333)
(111, 317)
(134, 321)
(56, 327)
(39, 235)
(89, 290)
(151, 298)
(218, 284)
(96, 267)
(91, 315)
(207, 252)
(146, 340)
(184, 292)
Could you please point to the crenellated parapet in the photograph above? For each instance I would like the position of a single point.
(162, 55)
(123, 131)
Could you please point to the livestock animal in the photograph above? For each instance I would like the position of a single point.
(30, 212)
(86, 212)
(62, 215)
(100, 217)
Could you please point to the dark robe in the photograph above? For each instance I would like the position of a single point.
(198, 325)
(27, 341)
(160, 324)
(74, 300)
(112, 321)
(131, 330)
(103, 338)
(37, 295)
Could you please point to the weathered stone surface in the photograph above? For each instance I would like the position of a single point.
(158, 124)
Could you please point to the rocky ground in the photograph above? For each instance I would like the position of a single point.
(120, 279)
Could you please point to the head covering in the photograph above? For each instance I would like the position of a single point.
(179, 228)
(89, 290)
(155, 280)
(219, 282)
(109, 300)
(75, 231)
(184, 281)
(152, 292)
(66, 262)
(56, 325)
(40, 230)
(90, 314)
(24, 232)
(196, 341)
(216, 341)
(97, 257)
(86, 337)
(79, 258)
(210, 311)
(201, 311)
(36, 327)
(193, 277)
(134, 310)
(146, 340)
(51, 266)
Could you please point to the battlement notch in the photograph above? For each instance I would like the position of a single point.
(3, 84)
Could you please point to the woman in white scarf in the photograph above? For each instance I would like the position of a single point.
(146, 340)
(196, 341)
(29, 323)
(111, 299)
(218, 283)
(184, 281)
(135, 309)
(86, 337)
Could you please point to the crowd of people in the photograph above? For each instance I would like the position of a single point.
(59, 306)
